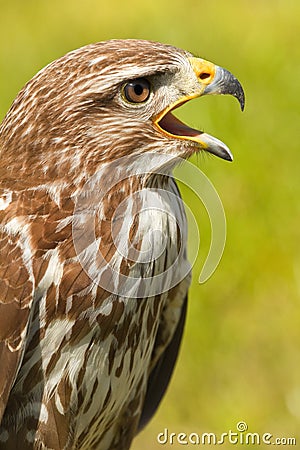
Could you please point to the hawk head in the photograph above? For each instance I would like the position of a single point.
(107, 100)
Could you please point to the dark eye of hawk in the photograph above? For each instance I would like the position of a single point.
(137, 91)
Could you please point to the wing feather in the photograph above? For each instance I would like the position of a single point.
(161, 373)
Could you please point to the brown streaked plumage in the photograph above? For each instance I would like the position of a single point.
(92, 305)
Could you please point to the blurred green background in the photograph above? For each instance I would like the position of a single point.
(240, 358)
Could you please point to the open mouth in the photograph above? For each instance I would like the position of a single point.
(174, 128)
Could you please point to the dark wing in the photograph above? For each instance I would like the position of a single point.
(161, 373)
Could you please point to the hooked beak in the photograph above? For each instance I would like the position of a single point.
(213, 80)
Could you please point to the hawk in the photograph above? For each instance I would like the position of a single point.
(93, 270)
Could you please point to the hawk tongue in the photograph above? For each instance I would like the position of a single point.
(174, 126)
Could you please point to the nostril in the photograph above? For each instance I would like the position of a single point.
(204, 70)
(204, 75)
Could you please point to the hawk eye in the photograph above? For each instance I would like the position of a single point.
(137, 91)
